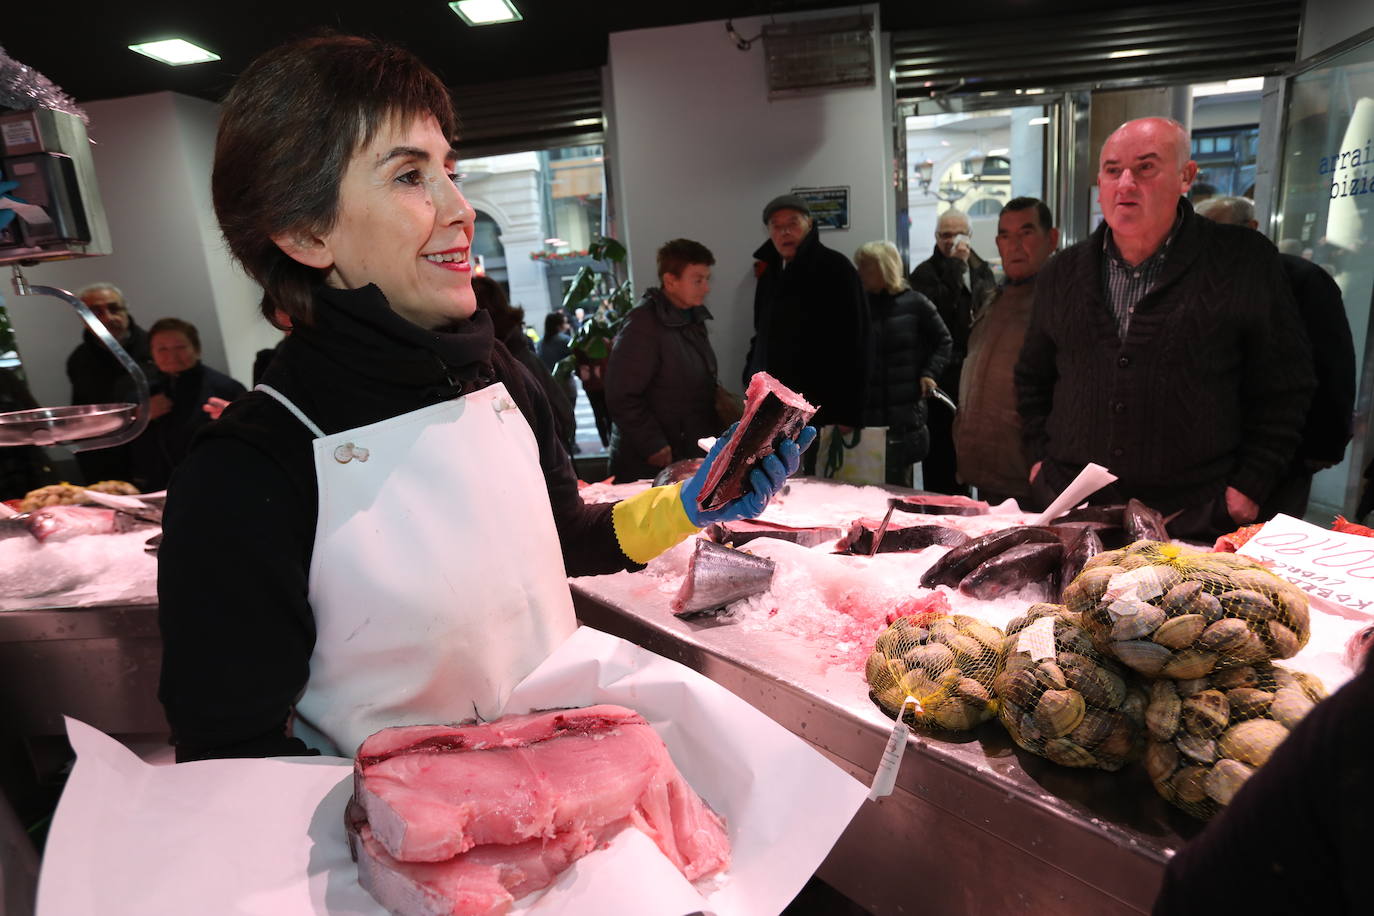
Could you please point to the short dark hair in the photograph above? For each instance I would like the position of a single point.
(492, 298)
(554, 321)
(165, 325)
(676, 256)
(1042, 210)
(287, 132)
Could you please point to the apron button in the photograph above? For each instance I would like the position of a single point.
(348, 451)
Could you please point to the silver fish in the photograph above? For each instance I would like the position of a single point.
(718, 575)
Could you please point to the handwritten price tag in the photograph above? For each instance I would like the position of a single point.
(1334, 568)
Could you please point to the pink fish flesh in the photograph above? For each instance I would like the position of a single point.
(434, 792)
(771, 411)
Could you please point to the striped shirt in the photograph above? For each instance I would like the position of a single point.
(1125, 285)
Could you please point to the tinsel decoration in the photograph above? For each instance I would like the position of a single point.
(23, 88)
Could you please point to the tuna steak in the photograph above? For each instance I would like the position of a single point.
(954, 566)
(1012, 569)
(736, 534)
(1083, 548)
(1143, 523)
(771, 411)
(897, 539)
(938, 504)
(430, 793)
(718, 575)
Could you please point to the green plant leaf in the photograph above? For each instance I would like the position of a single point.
(581, 288)
(605, 248)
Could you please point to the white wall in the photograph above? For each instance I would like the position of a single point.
(152, 158)
(698, 149)
(1329, 22)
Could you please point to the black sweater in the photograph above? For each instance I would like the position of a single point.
(909, 342)
(1209, 389)
(239, 529)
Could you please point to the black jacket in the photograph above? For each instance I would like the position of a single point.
(940, 279)
(1329, 419)
(239, 527)
(909, 342)
(811, 329)
(98, 378)
(660, 385)
(564, 420)
(167, 439)
(1208, 390)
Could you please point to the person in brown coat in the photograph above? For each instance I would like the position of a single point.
(987, 429)
(661, 379)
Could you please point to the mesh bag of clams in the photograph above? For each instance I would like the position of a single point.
(947, 663)
(1169, 612)
(1062, 699)
(1208, 735)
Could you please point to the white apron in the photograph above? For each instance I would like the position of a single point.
(437, 580)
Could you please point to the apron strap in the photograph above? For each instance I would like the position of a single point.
(296, 411)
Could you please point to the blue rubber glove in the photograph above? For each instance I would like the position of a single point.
(7, 215)
(765, 479)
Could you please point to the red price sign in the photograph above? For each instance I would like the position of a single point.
(1329, 565)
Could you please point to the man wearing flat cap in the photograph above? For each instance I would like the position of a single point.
(810, 318)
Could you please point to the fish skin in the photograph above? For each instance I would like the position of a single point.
(738, 533)
(718, 575)
(859, 540)
(1084, 547)
(678, 470)
(939, 505)
(1110, 515)
(772, 411)
(1143, 523)
(954, 566)
(1018, 566)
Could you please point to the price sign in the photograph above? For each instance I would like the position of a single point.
(1334, 568)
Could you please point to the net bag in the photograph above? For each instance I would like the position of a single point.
(947, 663)
(1169, 612)
(1062, 699)
(1208, 735)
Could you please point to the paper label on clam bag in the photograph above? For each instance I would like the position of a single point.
(1037, 640)
(885, 777)
(1129, 592)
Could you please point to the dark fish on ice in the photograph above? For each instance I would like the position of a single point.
(718, 575)
(678, 470)
(735, 534)
(1083, 548)
(954, 566)
(938, 504)
(1014, 568)
(1107, 515)
(771, 411)
(1143, 523)
(896, 539)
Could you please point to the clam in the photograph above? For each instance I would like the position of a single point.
(1161, 759)
(1094, 728)
(1030, 731)
(1163, 714)
(1242, 676)
(1142, 622)
(963, 645)
(1052, 676)
(1072, 638)
(1133, 707)
(1021, 688)
(1188, 785)
(1247, 603)
(918, 684)
(1189, 686)
(889, 641)
(1119, 745)
(1059, 712)
(1225, 779)
(933, 657)
(1289, 706)
(1248, 702)
(1180, 631)
(990, 637)
(1253, 740)
(1224, 635)
(1190, 663)
(1251, 649)
(878, 672)
(1179, 598)
(1099, 686)
(1200, 750)
(1206, 604)
(1014, 626)
(972, 692)
(1085, 591)
(1283, 640)
(1134, 561)
(1148, 658)
(1105, 558)
(1311, 685)
(1066, 753)
(954, 714)
(1206, 715)
(1256, 580)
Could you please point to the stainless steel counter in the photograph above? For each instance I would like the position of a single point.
(974, 827)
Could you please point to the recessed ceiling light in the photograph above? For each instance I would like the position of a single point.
(175, 51)
(486, 12)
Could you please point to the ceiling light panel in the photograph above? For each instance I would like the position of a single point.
(178, 52)
(486, 12)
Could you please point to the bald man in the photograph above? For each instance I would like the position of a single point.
(961, 285)
(1164, 347)
(1327, 429)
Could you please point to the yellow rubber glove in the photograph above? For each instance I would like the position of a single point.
(651, 522)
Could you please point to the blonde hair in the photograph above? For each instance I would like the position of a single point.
(884, 254)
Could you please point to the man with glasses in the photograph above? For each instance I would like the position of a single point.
(810, 317)
(98, 378)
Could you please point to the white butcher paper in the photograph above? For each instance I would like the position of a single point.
(266, 837)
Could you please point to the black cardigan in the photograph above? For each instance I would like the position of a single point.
(239, 529)
(1209, 389)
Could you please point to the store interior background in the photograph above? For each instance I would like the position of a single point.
(694, 148)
